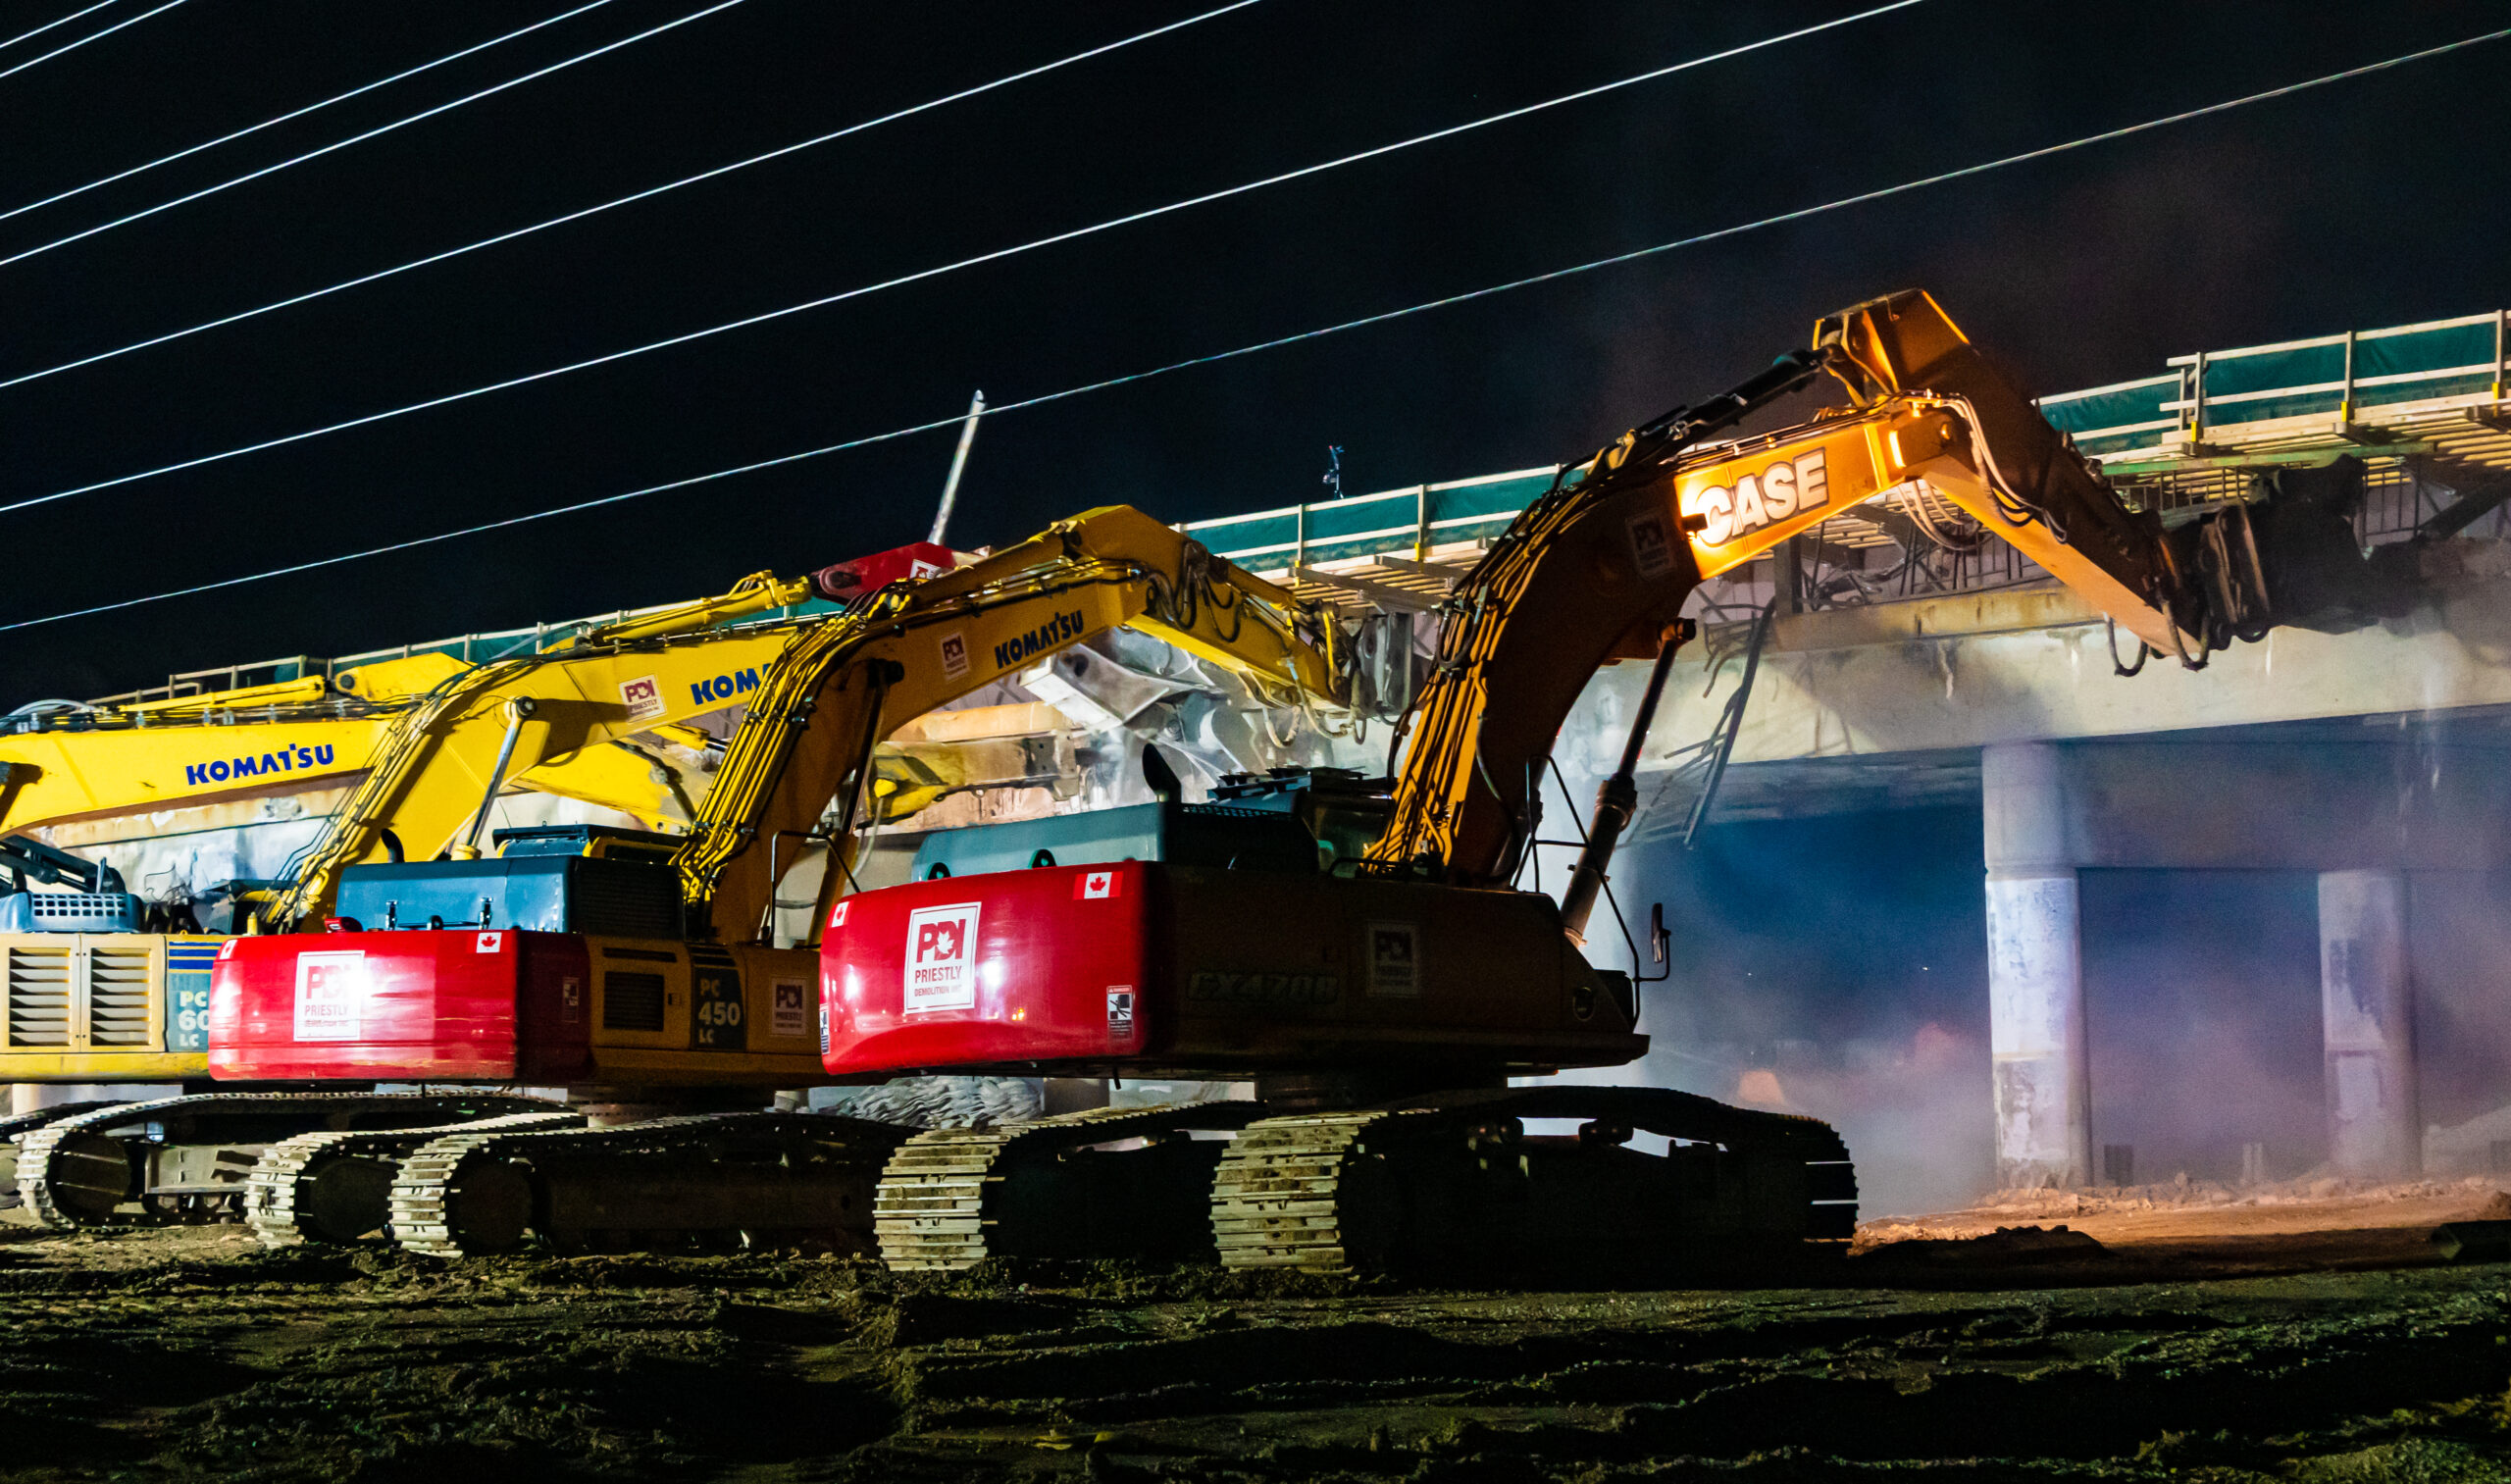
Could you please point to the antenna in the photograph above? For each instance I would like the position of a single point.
(958, 466)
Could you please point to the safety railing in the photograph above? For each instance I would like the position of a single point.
(2339, 378)
(1405, 521)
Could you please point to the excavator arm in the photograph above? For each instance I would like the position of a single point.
(851, 681)
(530, 719)
(1599, 566)
(317, 731)
(254, 742)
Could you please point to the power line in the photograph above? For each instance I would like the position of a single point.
(1285, 340)
(315, 154)
(399, 76)
(49, 25)
(83, 40)
(921, 275)
(641, 195)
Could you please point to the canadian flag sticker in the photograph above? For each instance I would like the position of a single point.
(1095, 883)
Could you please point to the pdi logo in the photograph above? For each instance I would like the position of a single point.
(642, 697)
(941, 959)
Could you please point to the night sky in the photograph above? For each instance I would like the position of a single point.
(2380, 201)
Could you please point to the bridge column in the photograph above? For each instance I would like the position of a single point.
(2367, 1009)
(2035, 972)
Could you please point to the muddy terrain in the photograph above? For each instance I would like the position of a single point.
(2317, 1353)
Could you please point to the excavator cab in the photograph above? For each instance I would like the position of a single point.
(1341, 810)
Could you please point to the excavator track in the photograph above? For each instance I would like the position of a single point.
(1288, 1190)
(953, 1197)
(1452, 1184)
(73, 1174)
(335, 1187)
(753, 1177)
(19, 1125)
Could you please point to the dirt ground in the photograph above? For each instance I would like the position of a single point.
(2312, 1338)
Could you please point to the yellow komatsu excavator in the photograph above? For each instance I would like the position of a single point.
(323, 732)
(427, 743)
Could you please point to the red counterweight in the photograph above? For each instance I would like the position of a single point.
(407, 1007)
(1012, 966)
(540, 1008)
(1143, 968)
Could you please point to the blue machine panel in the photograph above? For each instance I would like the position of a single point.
(547, 893)
(187, 966)
(1196, 835)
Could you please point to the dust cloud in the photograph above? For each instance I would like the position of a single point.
(1834, 967)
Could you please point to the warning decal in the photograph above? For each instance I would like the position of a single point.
(1652, 545)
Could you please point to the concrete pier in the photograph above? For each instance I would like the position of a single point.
(2035, 972)
(2367, 1017)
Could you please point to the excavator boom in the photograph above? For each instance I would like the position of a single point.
(1599, 569)
(442, 761)
(323, 732)
(852, 681)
